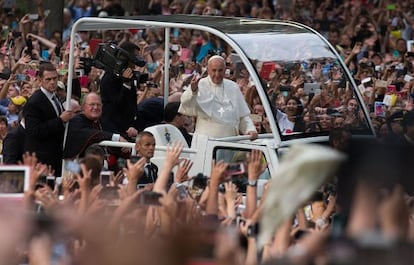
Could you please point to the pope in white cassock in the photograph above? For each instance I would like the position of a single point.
(218, 104)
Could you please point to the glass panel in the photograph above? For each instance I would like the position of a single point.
(305, 83)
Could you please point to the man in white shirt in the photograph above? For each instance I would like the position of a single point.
(218, 104)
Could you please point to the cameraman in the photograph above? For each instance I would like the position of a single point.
(119, 98)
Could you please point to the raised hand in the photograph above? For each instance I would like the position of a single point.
(256, 166)
(182, 171)
(135, 170)
(173, 154)
(84, 180)
(218, 172)
(36, 169)
(46, 197)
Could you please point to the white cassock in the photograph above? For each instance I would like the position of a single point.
(221, 110)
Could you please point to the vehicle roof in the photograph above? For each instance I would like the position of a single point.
(228, 25)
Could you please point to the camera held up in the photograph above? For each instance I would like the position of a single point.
(111, 57)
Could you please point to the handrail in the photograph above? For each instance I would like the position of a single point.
(134, 152)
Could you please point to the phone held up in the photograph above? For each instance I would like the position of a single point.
(235, 169)
(149, 198)
(73, 167)
(105, 178)
(253, 230)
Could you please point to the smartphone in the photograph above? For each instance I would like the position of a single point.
(408, 78)
(227, 72)
(176, 33)
(73, 167)
(149, 198)
(181, 192)
(34, 17)
(152, 84)
(21, 77)
(367, 82)
(222, 188)
(253, 230)
(105, 178)
(312, 88)
(79, 72)
(235, 169)
(175, 47)
(5, 32)
(58, 183)
(109, 193)
(134, 159)
(16, 34)
(29, 46)
(51, 181)
(121, 162)
(45, 55)
(240, 221)
(10, 44)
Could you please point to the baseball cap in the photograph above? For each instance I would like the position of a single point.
(18, 100)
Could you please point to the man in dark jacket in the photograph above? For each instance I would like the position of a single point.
(13, 145)
(85, 129)
(45, 119)
(119, 97)
(145, 147)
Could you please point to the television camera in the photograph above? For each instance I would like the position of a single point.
(111, 57)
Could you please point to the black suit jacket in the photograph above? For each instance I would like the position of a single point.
(44, 131)
(119, 104)
(145, 179)
(83, 132)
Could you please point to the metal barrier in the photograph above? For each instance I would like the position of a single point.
(134, 152)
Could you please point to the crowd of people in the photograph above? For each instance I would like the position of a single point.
(143, 214)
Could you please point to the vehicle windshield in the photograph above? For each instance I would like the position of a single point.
(306, 85)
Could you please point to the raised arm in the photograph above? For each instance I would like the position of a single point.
(43, 40)
(133, 172)
(171, 160)
(218, 175)
(256, 167)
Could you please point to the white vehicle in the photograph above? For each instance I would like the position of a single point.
(262, 50)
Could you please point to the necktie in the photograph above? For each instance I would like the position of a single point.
(149, 172)
(57, 104)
